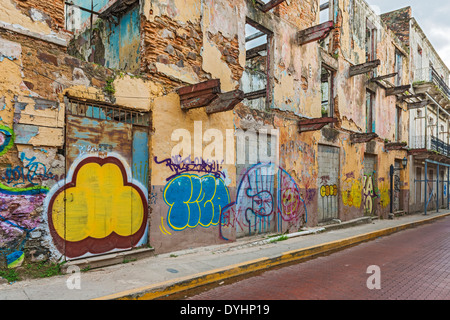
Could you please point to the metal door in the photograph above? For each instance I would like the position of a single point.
(102, 205)
(328, 183)
(370, 185)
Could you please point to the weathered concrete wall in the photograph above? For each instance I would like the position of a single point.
(191, 184)
(179, 49)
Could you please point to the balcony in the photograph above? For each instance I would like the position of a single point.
(430, 144)
(432, 75)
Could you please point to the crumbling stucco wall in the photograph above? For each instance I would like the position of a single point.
(197, 191)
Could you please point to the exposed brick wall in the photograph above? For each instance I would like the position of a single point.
(53, 9)
(301, 13)
(167, 42)
(229, 48)
(48, 69)
(398, 22)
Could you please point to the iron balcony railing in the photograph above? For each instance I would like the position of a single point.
(436, 76)
(431, 143)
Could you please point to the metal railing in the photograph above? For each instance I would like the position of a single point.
(103, 111)
(435, 76)
(432, 143)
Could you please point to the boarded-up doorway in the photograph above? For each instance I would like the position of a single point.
(102, 205)
(328, 183)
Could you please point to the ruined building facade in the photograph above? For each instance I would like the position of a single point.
(171, 124)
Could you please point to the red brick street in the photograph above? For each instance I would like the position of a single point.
(413, 264)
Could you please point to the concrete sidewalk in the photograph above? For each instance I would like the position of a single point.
(166, 274)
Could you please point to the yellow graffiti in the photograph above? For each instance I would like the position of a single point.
(163, 229)
(369, 194)
(385, 198)
(98, 204)
(351, 193)
(326, 191)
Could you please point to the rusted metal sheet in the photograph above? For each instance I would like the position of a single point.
(98, 137)
(225, 102)
(199, 95)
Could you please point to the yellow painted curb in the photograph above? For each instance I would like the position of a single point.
(189, 282)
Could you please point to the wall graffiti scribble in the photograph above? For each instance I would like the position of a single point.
(30, 171)
(198, 165)
(259, 205)
(18, 205)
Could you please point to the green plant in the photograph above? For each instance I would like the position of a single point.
(280, 238)
(128, 260)
(50, 270)
(10, 274)
(86, 269)
(109, 88)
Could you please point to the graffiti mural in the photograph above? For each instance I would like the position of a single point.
(259, 205)
(98, 208)
(195, 201)
(369, 194)
(351, 191)
(18, 220)
(384, 192)
(18, 205)
(6, 139)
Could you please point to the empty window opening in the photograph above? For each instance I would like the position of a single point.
(254, 81)
(324, 11)
(371, 42)
(106, 32)
(324, 16)
(81, 14)
(370, 112)
(398, 123)
(398, 68)
(327, 88)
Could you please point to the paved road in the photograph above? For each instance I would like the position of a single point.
(412, 265)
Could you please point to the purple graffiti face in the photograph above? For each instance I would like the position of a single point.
(262, 204)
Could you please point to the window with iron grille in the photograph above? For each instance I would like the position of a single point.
(106, 111)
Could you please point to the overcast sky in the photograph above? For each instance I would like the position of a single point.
(432, 15)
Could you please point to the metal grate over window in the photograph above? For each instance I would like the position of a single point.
(105, 111)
